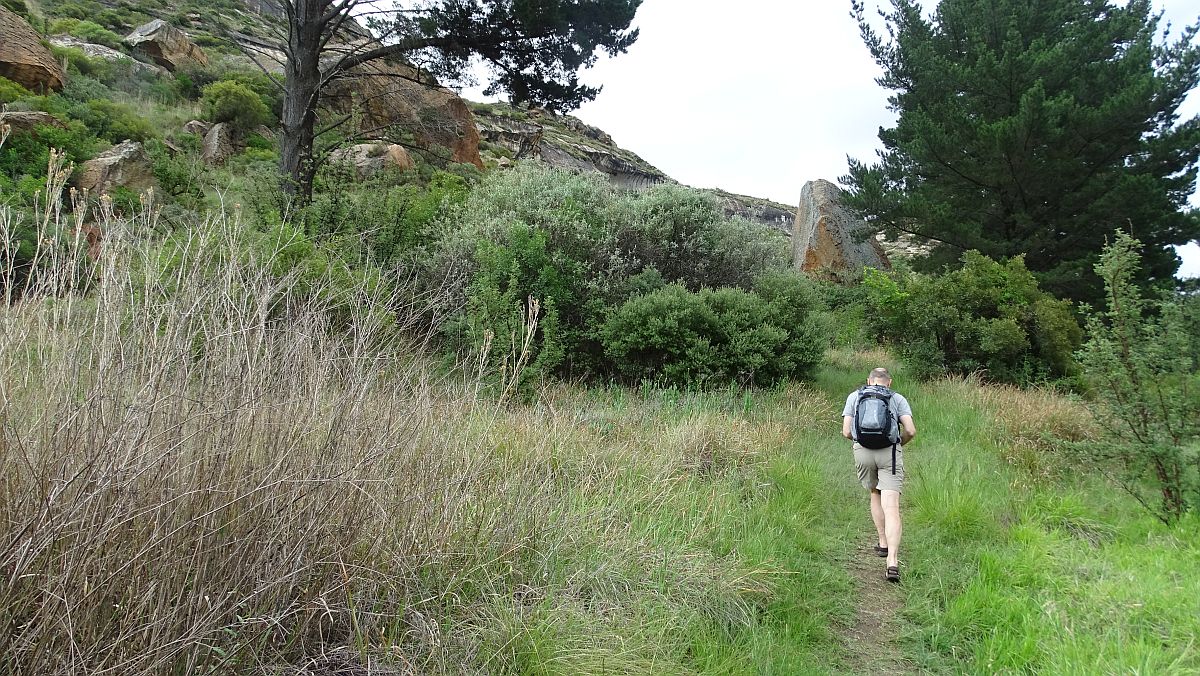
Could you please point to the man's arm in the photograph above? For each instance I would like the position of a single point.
(907, 429)
(846, 427)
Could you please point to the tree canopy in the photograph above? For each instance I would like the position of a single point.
(1036, 129)
(533, 50)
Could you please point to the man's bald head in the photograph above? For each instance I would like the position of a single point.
(879, 376)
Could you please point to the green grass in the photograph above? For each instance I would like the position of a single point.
(1003, 573)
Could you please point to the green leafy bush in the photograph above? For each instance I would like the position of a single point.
(234, 102)
(15, 6)
(178, 174)
(24, 157)
(80, 63)
(86, 30)
(1140, 363)
(11, 91)
(680, 337)
(113, 121)
(986, 316)
(583, 248)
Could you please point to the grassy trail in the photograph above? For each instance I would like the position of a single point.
(831, 610)
(1009, 565)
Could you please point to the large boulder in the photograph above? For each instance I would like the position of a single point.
(29, 120)
(23, 59)
(220, 143)
(168, 46)
(371, 159)
(94, 51)
(829, 240)
(393, 99)
(124, 165)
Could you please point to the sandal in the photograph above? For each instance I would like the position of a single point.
(880, 551)
(892, 574)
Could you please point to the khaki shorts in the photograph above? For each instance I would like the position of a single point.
(875, 468)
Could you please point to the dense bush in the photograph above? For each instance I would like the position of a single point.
(24, 157)
(234, 102)
(86, 30)
(582, 248)
(987, 317)
(680, 337)
(113, 121)
(11, 91)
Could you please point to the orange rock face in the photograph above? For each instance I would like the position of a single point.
(392, 99)
(828, 239)
(23, 59)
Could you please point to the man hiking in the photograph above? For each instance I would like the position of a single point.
(879, 421)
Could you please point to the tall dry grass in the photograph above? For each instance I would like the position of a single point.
(198, 475)
(212, 461)
(1029, 424)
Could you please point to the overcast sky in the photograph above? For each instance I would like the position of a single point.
(758, 96)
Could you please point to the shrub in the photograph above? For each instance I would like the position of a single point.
(233, 102)
(80, 63)
(82, 88)
(583, 248)
(113, 121)
(513, 302)
(178, 175)
(684, 235)
(987, 317)
(1139, 358)
(86, 30)
(680, 337)
(24, 157)
(11, 91)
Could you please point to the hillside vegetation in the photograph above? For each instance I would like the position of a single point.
(494, 417)
(218, 461)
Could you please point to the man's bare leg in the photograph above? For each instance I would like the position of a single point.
(892, 526)
(878, 517)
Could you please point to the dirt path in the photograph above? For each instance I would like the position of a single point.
(871, 639)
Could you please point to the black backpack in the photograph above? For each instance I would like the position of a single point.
(874, 424)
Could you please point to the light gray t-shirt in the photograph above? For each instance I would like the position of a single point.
(899, 405)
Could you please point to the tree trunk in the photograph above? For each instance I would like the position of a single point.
(302, 91)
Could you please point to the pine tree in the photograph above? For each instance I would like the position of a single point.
(1034, 128)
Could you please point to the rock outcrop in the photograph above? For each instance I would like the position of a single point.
(394, 99)
(30, 120)
(109, 54)
(565, 142)
(828, 239)
(371, 159)
(773, 215)
(220, 143)
(124, 165)
(168, 46)
(197, 127)
(23, 59)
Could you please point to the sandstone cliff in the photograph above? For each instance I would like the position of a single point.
(23, 59)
